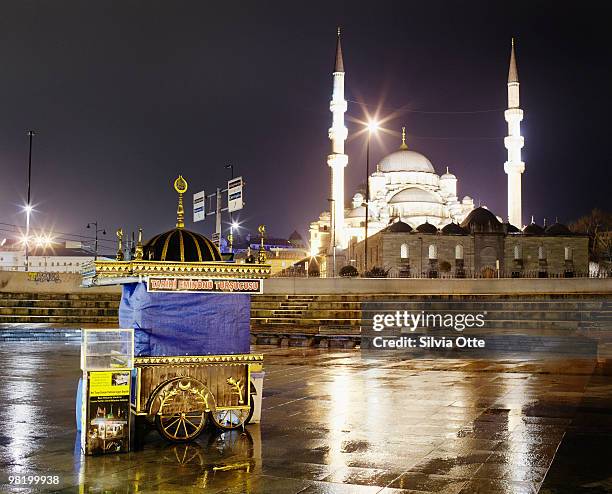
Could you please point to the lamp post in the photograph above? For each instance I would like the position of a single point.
(234, 225)
(28, 207)
(372, 127)
(97, 230)
(231, 235)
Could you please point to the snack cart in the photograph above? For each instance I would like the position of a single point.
(189, 308)
(182, 393)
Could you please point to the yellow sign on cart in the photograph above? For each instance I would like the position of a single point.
(109, 383)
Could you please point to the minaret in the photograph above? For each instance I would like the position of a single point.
(337, 160)
(514, 167)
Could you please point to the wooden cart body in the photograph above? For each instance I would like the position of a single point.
(189, 386)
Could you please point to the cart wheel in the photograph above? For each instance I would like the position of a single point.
(230, 419)
(181, 427)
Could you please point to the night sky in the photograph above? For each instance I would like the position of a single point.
(125, 95)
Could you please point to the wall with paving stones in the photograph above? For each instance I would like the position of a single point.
(48, 283)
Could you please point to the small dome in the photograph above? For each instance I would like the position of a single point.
(415, 194)
(448, 176)
(481, 220)
(533, 229)
(405, 160)
(558, 229)
(399, 227)
(295, 236)
(453, 229)
(180, 245)
(426, 228)
(358, 212)
(510, 228)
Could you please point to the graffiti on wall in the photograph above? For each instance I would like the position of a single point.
(44, 277)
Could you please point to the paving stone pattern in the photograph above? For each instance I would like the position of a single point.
(334, 422)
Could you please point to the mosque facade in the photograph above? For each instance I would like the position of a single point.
(408, 201)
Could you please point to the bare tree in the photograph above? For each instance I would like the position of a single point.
(598, 226)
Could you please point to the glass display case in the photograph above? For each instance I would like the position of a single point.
(107, 349)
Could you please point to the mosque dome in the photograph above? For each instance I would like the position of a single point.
(533, 229)
(180, 245)
(510, 228)
(558, 229)
(415, 194)
(453, 229)
(405, 160)
(358, 212)
(399, 227)
(426, 228)
(481, 220)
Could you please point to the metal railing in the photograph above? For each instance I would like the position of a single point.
(466, 273)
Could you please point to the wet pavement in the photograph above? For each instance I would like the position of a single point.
(334, 422)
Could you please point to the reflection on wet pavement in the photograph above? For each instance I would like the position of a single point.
(334, 422)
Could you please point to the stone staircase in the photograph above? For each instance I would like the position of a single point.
(574, 322)
(292, 310)
(512, 321)
(55, 316)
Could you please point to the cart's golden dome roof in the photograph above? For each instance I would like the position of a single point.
(180, 245)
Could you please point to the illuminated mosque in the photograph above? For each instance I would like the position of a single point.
(404, 185)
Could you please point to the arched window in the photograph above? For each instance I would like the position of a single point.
(404, 251)
(459, 251)
(433, 251)
(541, 252)
(517, 252)
(569, 254)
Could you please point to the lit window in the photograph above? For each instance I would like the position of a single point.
(459, 251)
(568, 253)
(541, 252)
(404, 251)
(433, 251)
(517, 252)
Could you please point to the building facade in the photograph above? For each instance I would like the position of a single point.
(281, 253)
(481, 246)
(69, 257)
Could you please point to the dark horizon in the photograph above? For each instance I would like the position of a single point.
(125, 97)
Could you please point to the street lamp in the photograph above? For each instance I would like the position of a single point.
(28, 207)
(372, 128)
(234, 225)
(97, 230)
(230, 167)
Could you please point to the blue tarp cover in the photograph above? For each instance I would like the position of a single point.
(185, 323)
